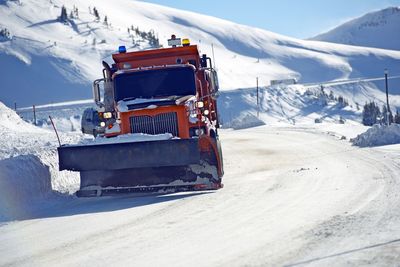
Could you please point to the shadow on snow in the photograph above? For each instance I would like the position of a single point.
(61, 206)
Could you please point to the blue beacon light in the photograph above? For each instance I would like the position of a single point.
(122, 49)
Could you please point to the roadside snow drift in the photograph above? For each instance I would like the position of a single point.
(245, 120)
(379, 135)
(22, 179)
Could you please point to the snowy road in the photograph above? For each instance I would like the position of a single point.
(292, 197)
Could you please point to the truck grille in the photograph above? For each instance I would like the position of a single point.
(159, 124)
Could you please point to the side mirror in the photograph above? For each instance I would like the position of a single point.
(203, 61)
(214, 78)
(96, 92)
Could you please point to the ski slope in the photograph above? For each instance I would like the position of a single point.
(292, 195)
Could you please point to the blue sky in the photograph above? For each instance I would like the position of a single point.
(301, 18)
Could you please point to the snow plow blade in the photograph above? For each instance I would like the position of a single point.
(118, 156)
(141, 167)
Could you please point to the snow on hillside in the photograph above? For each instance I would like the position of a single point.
(56, 61)
(378, 29)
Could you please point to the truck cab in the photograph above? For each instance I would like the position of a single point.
(171, 90)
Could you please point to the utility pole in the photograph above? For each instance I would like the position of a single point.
(34, 114)
(15, 106)
(258, 101)
(387, 97)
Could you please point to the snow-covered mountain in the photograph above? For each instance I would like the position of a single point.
(45, 60)
(380, 29)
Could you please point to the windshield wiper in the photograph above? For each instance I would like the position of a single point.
(129, 98)
(169, 97)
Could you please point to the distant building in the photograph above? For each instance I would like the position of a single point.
(284, 81)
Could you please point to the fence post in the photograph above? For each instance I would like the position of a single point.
(258, 101)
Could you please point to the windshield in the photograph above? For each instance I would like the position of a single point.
(155, 83)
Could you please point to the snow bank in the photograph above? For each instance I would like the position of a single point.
(126, 138)
(22, 179)
(244, 121)
(10, 121)
(27, 150)
(378, 135)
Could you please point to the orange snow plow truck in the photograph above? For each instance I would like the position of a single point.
(159, 116)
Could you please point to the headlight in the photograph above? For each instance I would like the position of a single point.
(206, 112)
(127, 66)
(107, 115)
(102, 124)
(200, 104)
(196, 132)
(199, 132)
